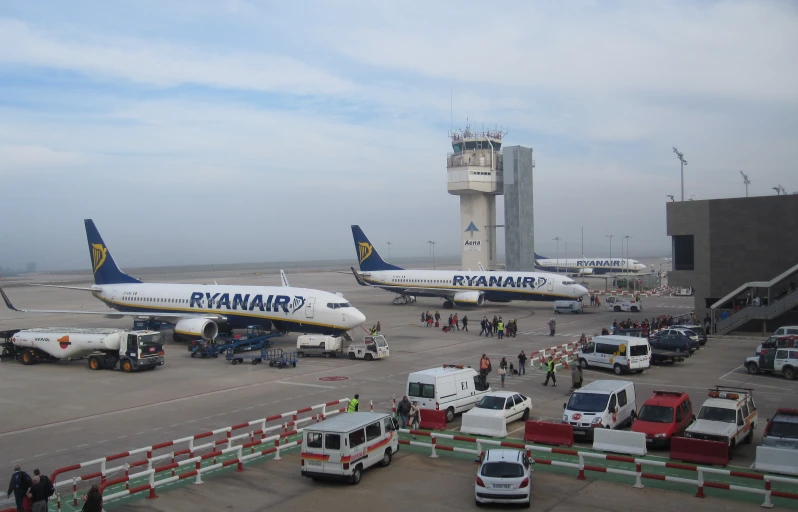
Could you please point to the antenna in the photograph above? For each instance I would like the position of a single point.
(746, 181)
(451, 110)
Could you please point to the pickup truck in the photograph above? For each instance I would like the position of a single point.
(728, 416)
(780, 360)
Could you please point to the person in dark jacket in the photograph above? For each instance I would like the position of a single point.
(93, 500)
(403, 409)
(19, 485)
(39, 492)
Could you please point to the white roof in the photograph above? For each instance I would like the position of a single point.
(605, 386)
(440, 370)
(617, 340)
(502, 394)
(346, 422)
(72, 330)
(721, 403)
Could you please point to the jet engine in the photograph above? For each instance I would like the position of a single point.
(203, 327)
(475, 298)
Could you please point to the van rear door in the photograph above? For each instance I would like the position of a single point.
(313, 456)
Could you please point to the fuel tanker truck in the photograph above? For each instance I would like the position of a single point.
(116, 349)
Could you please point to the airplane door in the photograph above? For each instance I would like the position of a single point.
(309, 307)
(550, 286)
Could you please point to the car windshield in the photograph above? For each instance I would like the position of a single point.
(495, 403)
(588, 402)
(502, 470)
(783, 429)
(717, 414)
(656, 414)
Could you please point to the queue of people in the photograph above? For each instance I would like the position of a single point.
(31, 494)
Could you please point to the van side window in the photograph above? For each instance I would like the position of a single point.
(373, 431)
(622, 398)
(590, 348)
(613, 402)
(419, 390)
(332, 441)
(357, 438)
(781, 354)
(679, 415)
(387, 425)
(603, 348)
(314, 440)
(740, 421)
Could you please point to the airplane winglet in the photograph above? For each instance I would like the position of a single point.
(8, 301)
(284, 279)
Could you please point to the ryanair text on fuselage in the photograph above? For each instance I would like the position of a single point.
(243, 302)
(499, 281)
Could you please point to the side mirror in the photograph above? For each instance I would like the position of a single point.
(566, 405)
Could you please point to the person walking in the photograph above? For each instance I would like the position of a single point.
(522, 363)
(503, 369)
(379, 327)
(456, 321)
(354, 404)
(552, 327)
(40, 491)
(424, 318)
(93, 500)
(415, 417)
(465, 323)
(482, 331)
(403, 410)
(550, 372)
(19, 485)
(437, 319)
(576, 377)
(484, 369)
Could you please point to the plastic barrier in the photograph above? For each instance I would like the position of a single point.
(619, 441)
(699, 451)
(559, 434)
(432, 419)
(776, 460)
(477, 422)
(192, 447)
(638, 474)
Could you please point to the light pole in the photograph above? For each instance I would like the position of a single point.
(610, 237)
(627, 252)
(683, 162)
(432, 247)
(670, 196)
(558, 253)
(389, 251)
(746, 181)
(779, 189)
(566, 256)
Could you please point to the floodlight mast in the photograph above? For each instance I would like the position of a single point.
(746, 181)
(680, 155)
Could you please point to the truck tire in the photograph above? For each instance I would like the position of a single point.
(234, 361)
(618, 369)
(127, 366)
(617, 309)
(356, 474)
(28, 357)
(450, 415)
(369, 357)
(583, 363)
(386, 458)
(300, 354)
(351, 355)
(95, 363)
(752, 368)
(789, 373)
(327, 355)
(634, 309)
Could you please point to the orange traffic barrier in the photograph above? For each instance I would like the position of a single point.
(432, 419)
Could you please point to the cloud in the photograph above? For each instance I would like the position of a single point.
(18, 159)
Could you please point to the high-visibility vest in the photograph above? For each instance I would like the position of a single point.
(353, 405)
(550, 366)
(501, 326)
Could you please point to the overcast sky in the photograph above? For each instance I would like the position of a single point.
(204, 131)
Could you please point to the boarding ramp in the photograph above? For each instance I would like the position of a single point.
(778, 303)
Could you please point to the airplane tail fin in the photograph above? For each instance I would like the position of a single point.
(367, 256)
(102, 263)
(539, 257)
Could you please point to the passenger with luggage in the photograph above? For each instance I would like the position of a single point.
(503, 369)
(403, 410)
(484, 369)
(414, 417)
(465, 323)
(576, 377)
(19, 485)
(40, 491)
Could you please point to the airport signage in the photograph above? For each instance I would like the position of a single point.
(472, 246)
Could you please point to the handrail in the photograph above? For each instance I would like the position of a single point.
(755, 284)
(778, 307)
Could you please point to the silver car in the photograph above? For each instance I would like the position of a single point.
(782, 430)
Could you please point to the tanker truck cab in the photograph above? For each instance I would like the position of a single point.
(344, 446)
(143, 350)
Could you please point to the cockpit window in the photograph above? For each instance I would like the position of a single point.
(568, 283)
(338, 305)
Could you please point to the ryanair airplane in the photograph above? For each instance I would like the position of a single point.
(456, 286)
(585, 266)
(198, 310)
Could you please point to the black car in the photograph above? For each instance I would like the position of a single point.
(673, 342)
(698, 330)
(680, 331)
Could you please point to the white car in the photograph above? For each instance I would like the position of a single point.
(494, 411)
(504, 476)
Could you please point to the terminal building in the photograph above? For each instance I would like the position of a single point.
(740, 256)
(519, 217)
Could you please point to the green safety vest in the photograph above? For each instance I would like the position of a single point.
(550, 366)
(501, 326)
(353, 405)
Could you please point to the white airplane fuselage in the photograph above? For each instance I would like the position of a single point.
(590, 266)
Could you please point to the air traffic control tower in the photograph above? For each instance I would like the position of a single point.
(475, 173)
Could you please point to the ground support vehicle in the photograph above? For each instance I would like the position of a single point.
(372, 347)
(728, 416)
(255, 340)
(780, 360)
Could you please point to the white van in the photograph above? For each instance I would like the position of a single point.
(345, 445)
(620, 353)
(786, 330)
(567, 306)
(600, 404)
(315, 345)
(613, 303)
(450, 388)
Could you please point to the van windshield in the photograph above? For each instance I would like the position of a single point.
(419, 390)
(588, 402)
(656, 414)
(638, 350)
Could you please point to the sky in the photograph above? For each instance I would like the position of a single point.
(231, 131)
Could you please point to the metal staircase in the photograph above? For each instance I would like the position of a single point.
(772, 310)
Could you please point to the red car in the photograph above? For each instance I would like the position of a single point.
(666, 414)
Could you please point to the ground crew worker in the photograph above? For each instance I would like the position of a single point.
(500, 329)
(374, 330)
(549, 373)
(354, 405)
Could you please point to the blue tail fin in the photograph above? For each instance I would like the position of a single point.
(102, 263)
(367, 256)
(539, 257)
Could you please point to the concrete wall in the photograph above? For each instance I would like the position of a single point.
(477, 246)
(735, 241)
(519, 219)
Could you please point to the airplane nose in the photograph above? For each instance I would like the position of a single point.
(640, 266)
(581, 291)
(355, 318)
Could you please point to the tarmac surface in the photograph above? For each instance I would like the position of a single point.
(55, 415)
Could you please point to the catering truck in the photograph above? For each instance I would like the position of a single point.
(116, 349)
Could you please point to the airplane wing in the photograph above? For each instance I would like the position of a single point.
(84, 288)
(284, 279)
(110, 312)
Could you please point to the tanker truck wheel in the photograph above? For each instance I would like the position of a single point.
(94, 363)
(28, 357)
(127, 366)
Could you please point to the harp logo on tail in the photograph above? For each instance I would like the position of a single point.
(98, 253)
(364, 249)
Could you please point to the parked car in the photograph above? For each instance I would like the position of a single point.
(664, 415)
(674, 342)
(697, 329)
(728, 416)
(494, 411)
(782, 430)
(695, 344)
(781, 360)
(786, 341)
(504, 476)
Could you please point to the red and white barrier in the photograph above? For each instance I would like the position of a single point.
(190, 448)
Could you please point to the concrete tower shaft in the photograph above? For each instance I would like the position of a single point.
(475, 173)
